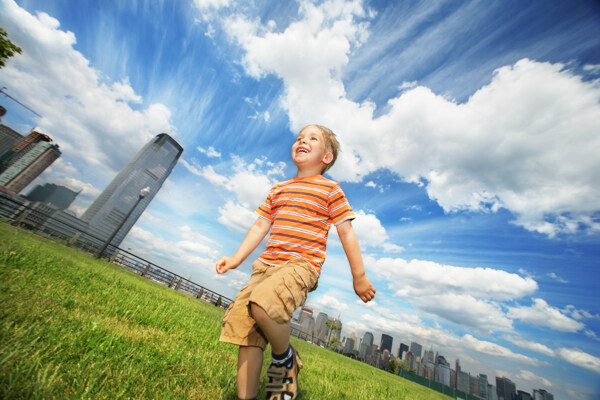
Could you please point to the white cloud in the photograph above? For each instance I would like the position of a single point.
(541, 313)
(101, 129)
(557, 278)
(580, 358)
(371, 233)
(494, 349)
(524, 142)
(329, 303)
(468, 296)
(184, 252)
(236, 217)
(533, 378)
(537, 347)
(210, 152)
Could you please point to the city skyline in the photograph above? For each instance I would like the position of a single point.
(469, 141)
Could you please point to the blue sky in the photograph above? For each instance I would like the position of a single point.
(469, 136)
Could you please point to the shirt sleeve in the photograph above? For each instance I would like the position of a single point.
(264, 211)
(339, 208)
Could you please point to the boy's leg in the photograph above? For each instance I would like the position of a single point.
(250, 361)
(277, 334)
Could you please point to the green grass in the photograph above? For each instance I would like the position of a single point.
(74, 327)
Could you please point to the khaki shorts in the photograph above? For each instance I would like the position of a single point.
(278, 289)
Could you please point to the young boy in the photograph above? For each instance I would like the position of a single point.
(299, 213)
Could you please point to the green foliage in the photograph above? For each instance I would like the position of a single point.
(74, 327)
(7, 48)
(333, 342)
(393, 367)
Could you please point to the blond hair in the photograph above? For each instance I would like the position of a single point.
(331, 143)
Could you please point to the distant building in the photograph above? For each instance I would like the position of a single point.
(416, 349)
(491, 391)
(308, 326)
(150, 167)
(349, 346)
(541, 394)
(321, 329)
(386, 343)
(443, 374)
(304, 312)
(8, 138)
(57, 195)
(26, 160)
(365, 346)
(402, 350)
(505, 388)
(463, 382)
(483, 386)
(521, 395)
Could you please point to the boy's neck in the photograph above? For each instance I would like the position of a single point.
(305, 173)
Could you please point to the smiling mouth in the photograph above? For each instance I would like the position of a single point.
(302, 150)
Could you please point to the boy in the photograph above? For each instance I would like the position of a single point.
(299, 213)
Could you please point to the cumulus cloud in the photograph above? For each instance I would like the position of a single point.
(210, 151)
(468, 296)
(526, 344)
(524, 142)
(371, 233)
(199, 253)
(330, 303)
(580, 358)
(101, 129)
(540, 313)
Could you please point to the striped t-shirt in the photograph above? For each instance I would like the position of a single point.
(301, 211)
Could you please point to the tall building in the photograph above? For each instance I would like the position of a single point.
(8, 138)
(26, 160)
(416, 349)
(386, 343)
(521, 395)
(483, 386)
(149, 168)
(463, 382)
(365, 346)
(505, 388)
(401, 350)
(59, 196)
(304, 312)
(541, 394)
(321, 328)
(308, 325)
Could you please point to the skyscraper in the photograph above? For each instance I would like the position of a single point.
(57, 195)
(26, 160)
(321, 328)
(505, 388)
(386, 343)
(149, 168)
(8, 138)
(416, 349)
(401, 350)
(365, 346)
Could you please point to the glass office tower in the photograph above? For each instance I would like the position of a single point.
(149, 168)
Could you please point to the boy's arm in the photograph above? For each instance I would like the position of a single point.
(255, 235)
(362, 286)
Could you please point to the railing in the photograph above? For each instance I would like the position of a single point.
(37, 217)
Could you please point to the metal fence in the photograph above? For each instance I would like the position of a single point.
(43, 219)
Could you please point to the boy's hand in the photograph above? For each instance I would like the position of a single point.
(225, 264)
(363, 288)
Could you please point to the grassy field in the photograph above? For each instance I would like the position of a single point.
(74, 327)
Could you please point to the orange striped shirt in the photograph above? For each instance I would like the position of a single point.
(301, 211)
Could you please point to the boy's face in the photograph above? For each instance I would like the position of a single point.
(310, 150)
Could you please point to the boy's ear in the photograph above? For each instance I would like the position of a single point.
(328, 157)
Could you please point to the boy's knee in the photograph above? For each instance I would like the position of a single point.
(258, 313)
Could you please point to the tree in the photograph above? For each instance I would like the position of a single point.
(219, 301)
(333, 343)
(7, 48)
(333, 326)
(393, 367)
